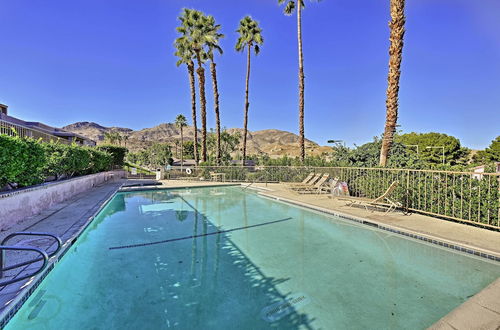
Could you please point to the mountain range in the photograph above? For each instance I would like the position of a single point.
(272, 142)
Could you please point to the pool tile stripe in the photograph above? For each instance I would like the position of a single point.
(196, 236)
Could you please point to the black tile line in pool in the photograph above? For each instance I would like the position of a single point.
(200, 235)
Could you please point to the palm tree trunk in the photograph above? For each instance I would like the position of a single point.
(247, 105)
(301, 83)
(182, 148)
(397, 26)
(193, 110)
(216, 108)
(203, 109)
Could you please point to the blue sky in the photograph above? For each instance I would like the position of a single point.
(112, 62)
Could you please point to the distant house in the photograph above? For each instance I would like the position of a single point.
(14, 126)
(248, 162)
(481, 168)
(187, 162)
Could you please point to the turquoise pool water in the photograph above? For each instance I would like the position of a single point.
(224, 258)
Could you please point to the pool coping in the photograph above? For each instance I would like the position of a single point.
(29, 287)
(478, 312)
(469, 249)
(32, 284)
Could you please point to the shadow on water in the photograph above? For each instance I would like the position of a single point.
(208, 281)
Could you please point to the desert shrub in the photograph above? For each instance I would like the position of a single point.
(117, 153)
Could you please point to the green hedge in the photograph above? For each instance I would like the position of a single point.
(117, 153)
(26, 162)
(22, 161)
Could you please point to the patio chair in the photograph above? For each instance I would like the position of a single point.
(317, 187)
(309, 184)
(304, 182)
(382, 200)
(328, 187)
(215, 176)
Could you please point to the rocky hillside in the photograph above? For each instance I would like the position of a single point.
(273, 142)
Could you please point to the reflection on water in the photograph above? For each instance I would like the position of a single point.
(309, 272)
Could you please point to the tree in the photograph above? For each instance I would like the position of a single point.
(490, 154)
(109, 137)
(196, 34)
(180, 122)
(228, 145)
(250, 37)
(397, 26)
(125, 139)
(159, 153)
(431, 147)
(185, 55)
(214, 46)
(290, 7)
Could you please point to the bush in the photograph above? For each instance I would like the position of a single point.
(26, 162)
(117, 153)
(22, 161)
(66, 160)
(100, 160)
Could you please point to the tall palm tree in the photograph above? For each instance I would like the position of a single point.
(397, 26)
(212, 47)
(290, 7)
(250, 37)
(185, 55)
(194, 30)
(181, 122)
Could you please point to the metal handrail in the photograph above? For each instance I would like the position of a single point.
(34, 233)
(43, 257)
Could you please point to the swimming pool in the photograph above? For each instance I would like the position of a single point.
(223, 258)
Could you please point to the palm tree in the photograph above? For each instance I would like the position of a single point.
(290, 7)
(185, 55)
(181, 122)
(214, 46)
(397, 26)
(109, 136)
(194, 30)
(125, 139)
(119, 138)
(250, 37)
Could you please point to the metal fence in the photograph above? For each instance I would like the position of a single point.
(21, 131)
(463, 196)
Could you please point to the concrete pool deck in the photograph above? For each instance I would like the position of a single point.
(68, 218)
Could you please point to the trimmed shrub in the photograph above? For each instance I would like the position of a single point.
(25, 162)
(100, 160)
(117, 153)
(66, 160)
(21, 161)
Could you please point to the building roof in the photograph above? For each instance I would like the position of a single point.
(42, 127)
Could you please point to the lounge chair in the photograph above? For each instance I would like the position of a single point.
(317, 187)
(328, 187)
(214, 176)
(304, 182)
(309, 184)
(382, 200)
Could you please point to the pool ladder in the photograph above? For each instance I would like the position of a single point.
(44, 255)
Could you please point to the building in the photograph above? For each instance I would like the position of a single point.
(17, 127)
(481, 169)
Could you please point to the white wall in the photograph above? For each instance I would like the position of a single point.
(17, 205)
